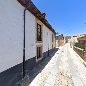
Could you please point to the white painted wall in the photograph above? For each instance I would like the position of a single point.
(30, 35)
(47, 38)
(11, 34)
(54, 43)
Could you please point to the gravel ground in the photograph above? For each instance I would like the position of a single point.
(64, 69)
(37, 69)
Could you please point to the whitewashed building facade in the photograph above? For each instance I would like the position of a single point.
(39, 37)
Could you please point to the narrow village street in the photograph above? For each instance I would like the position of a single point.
(43, 43)
(64, 69)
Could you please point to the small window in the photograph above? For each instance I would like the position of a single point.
(39, 32)
(39, 52)
(52, 46)
(52, 38)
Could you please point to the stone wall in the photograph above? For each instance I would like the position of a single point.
(80, 52)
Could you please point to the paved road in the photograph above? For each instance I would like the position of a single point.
(64, 69)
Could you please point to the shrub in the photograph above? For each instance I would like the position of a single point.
(79, 46)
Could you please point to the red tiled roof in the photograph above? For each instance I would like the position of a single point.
(82, 37)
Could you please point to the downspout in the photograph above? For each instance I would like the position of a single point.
(48, 49)
(23, 70)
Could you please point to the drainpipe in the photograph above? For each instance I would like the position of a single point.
(48, 49)
(24, 46)
(23, 69)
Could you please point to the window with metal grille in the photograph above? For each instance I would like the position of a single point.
(39, 52)
(39, 32)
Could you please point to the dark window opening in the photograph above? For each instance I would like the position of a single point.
(39, 52)
(39, 33)
(52, 46)
(52, 38)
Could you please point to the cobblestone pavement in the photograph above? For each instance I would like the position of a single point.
(64, 69)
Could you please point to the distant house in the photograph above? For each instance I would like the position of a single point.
(39, 38)
(67, 38)
(73, 40)
(82, 39)
(59, 40)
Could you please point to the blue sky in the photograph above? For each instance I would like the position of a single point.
(65, 16)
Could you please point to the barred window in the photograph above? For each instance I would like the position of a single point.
(39, 32)
(39, 52)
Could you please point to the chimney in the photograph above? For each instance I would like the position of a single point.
(44, 15)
